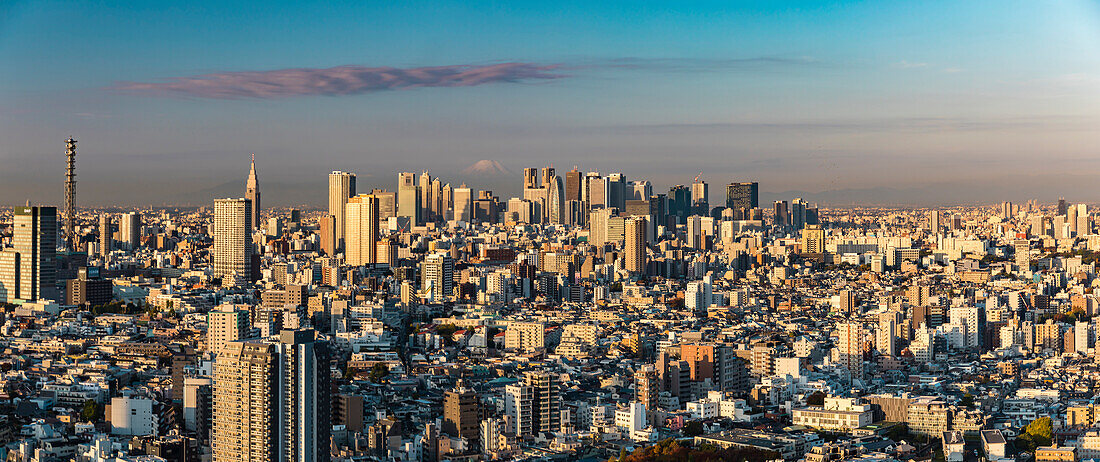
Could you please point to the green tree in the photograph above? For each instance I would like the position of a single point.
(378, 372)
(91, 412)
(693, 428)
(1041, 431)
(967, 401)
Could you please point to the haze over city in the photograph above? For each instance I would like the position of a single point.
(909, 103)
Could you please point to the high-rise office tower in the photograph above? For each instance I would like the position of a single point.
(679, 198)
(1083, 226)
(232, 238)
(745, 195)
(1061, 206)
(700, 192)
(463, 204)
(616, 190)
(460, 413)
(849, 346)
(573, 185)
(341, 186)
(438, 272)
(554, 201)
(28, 269)
(934, 222)
(635, 251)
(408, 198)
(782, 214)
(798, 214)
(530, 178)
(129, 230)
(106, 233)
(271, 400)
(1071, 219)
(252, 192)
(639, 190)
(361, 233)
(446, 204)
(426, 197)
(596, 191)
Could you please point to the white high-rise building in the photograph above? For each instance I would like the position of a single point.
(232, 238)
(698, 296)
(519, 405)
(972, 318)
(1082, 336)
(885, 340)
(850, 351)
(225, 324)
(129, 230)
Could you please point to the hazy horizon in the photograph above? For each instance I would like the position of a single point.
(884, 103)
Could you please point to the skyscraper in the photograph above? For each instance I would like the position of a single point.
(700, 196)
(252, 192)
(129, 230)
(679, 202)
(798, 213)
(573, 185)
(362, 230)
(463, 203)
(782, 214)
(271, 400)
(408, 198)
(106, 240)
(635, 251)
(616, 190)
(28, 269)
(232, 238)
(341, 186)
(554, 201)
(744, 195)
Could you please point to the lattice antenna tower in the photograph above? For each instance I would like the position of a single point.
(70, 192)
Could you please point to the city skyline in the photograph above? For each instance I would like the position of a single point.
(852, 103)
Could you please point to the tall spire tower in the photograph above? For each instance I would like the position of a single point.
(70, 193)
(252, 192)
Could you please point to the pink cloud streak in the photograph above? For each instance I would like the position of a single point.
(335, 81)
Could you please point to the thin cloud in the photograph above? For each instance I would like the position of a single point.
(698, 64)
(338, 81)
(909, 65)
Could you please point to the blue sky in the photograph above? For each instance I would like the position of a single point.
(801, 96)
